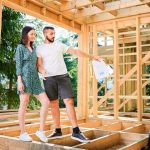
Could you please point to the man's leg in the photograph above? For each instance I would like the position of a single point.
(54, 105)
(66, 93)
(71, 111)
(51, 89)
(76, 135)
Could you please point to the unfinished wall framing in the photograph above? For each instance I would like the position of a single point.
(128, 53)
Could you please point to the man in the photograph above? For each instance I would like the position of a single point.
(57, 82)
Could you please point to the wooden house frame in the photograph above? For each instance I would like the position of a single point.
(127, 24)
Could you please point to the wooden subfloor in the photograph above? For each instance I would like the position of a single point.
(105, 133)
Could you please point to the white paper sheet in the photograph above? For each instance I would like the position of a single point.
(101, 69)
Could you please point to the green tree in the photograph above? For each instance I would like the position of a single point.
(11, 27)
(12, 24)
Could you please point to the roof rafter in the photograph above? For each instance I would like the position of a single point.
(71, 5)
(111, 7)
(121, 13)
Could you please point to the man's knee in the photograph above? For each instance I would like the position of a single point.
(54, 103)
(69, 102)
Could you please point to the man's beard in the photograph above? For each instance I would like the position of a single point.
(50, 40)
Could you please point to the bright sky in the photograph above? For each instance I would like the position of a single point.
(60, 32)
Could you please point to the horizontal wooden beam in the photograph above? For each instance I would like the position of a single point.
(79, 4)
(126, 12)
(123, 22)
(110, 7)
(36, 9)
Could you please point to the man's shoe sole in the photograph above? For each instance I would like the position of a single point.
(56, 137)
(83, 141)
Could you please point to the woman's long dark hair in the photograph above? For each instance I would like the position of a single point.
(24, 37)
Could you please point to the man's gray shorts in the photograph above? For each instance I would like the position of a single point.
(58, 86)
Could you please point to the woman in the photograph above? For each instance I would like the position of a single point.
(29, 83)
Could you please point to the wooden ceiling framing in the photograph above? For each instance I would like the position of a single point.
(72, 14)
(89, 11)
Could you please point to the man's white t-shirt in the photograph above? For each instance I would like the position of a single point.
(52, 58)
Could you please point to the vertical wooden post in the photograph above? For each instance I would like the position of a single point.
(124, 86)
(0, 18)
(116, 71)
(95, 110)
(106, 79)
(139, 70)
(82, 76)
(90, 73)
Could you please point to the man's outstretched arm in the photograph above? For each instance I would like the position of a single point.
(83, 54)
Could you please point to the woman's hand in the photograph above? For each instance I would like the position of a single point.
(20, 86)
(43, 73)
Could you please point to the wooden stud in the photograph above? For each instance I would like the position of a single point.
(43, 11)
(116, 71)
(82, 76)
(100, 5)
(139, 70)
(72, 23)
(148, 4)
(95, 109)
(60, 17)
(23, 3)
(124, 88)
(114, 12)
(89, 47)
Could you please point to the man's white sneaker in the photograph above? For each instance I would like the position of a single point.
(41, 136)
(25, 137)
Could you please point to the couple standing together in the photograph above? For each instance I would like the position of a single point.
(48, 60)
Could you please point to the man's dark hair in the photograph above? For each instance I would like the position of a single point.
(47, 28)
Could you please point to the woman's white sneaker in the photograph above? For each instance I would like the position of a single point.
(41, 136)
(25, 137)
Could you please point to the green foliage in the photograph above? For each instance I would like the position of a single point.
(72, 71)
(11, 27)
(34, 103)
(148, 85)
(12, 24)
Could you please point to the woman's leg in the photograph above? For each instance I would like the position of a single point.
(24, 99)
(44, 109)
